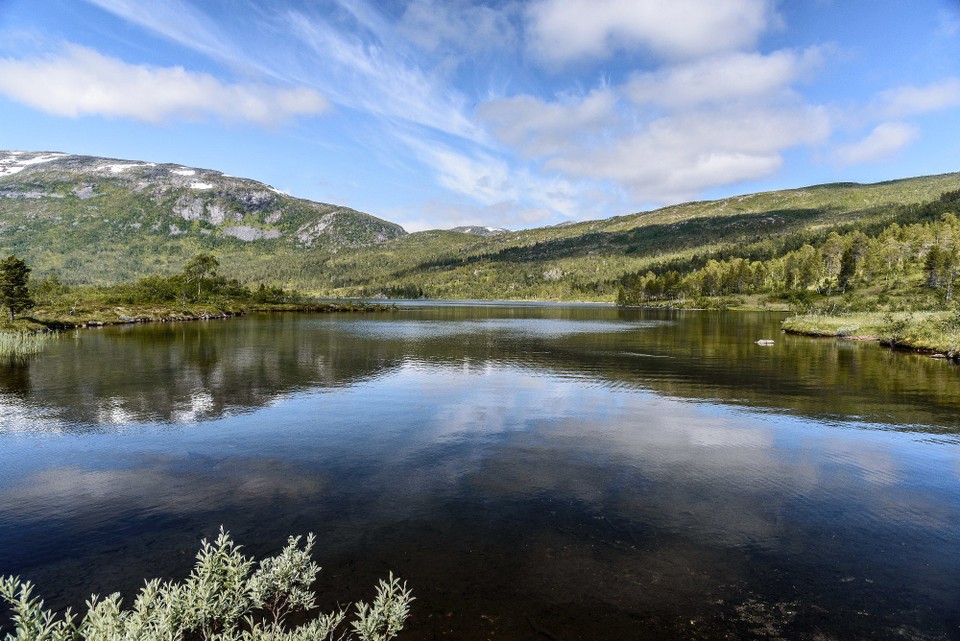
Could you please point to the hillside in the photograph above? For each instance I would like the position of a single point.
(97, 220)
(590, 260)
(103, 220)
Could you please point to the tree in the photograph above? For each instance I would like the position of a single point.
(14, 294)
(942, 267)
(201, 268)
(852, 259)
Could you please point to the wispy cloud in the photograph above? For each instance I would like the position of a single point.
(498, 101)
(356, 59)
(459, 28)
(499, 185)
(364, 74)
(913, 100)
(183, 23)
(79, 82)
(883, 142)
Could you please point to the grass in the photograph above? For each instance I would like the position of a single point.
(18, 346)
(933, 332)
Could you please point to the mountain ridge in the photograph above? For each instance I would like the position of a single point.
(55, 203)
(99, 220)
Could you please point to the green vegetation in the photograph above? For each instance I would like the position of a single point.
(14, 295)
(15, 347)
(98, 221)
(199, 291)
(91, 226)
(225, 598)
(937, 332)
(915, 254)
(111, 237)
(592, 260)
(886, 269)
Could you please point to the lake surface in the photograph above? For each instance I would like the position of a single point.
(533, 472)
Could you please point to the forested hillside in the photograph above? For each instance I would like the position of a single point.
(910, 261)
(103, 221)
(596, 260)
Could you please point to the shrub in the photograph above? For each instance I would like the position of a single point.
(223, 599)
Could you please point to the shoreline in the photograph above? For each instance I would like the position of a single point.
(915, 332)
(136, 314)
(897, 347)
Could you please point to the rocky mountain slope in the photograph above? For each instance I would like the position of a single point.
(477, 230)
(99, 219)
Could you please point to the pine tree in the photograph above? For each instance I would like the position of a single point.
(14, 294)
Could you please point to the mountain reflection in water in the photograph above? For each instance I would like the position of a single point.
(575, 472)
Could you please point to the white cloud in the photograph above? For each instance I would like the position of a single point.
(468, 28)
(80, 82)
(484, 179)
(354, 56)
(538, 128)
(735, 76)
(495, 184)
(714, 116)
(910, 100)
(563, 31)
(883, 142)
(666, 157)
(675, 157)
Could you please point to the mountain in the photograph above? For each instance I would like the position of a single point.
(102, 219)
(476, 230)
(98, 220)
(589, 260)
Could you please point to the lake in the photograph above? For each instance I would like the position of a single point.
(533, 471)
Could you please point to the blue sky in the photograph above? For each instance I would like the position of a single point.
(436, 113)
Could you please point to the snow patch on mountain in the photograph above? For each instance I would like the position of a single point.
(13, 162)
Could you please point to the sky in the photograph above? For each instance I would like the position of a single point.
(508, 113)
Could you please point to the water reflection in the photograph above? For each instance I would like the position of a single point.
(199, 371)
(582, 481)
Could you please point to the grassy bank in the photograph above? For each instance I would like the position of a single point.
(91, 312)
(17, 346)
(933, 332)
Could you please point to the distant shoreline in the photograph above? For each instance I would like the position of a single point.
(137, 314)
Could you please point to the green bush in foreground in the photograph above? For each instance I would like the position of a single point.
(223, 599)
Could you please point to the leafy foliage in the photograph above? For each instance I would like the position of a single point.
(14, 293)
(918, 260)
(223, 599)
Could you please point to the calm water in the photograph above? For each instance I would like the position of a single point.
(533, 472)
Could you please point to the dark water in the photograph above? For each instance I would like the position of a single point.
(533, 472)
